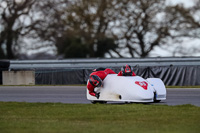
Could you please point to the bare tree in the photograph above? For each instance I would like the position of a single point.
(81, 28)
(184, 19)
(185, 25)
(13, 25)
(141, 27)
(111, 26)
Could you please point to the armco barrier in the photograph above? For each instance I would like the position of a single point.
(171, 75)
(98, 62)
(173, 71)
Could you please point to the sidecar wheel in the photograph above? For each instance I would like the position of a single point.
(100, 102)
(154, 99)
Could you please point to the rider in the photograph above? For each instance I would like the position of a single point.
(96, 80)
(126, 71)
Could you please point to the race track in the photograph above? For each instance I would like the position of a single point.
(77, 94)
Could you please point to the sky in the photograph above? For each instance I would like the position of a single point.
(187, 43)
(186, 3)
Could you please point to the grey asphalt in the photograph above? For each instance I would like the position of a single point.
(77, 94)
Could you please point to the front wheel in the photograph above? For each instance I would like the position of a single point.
(154, 99)
(100, 102)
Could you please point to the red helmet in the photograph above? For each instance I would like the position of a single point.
(95, 81)
(126, 70)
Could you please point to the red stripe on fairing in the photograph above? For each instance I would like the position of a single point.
(143, 84)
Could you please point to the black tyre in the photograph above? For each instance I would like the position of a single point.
(154, 99)
(100, 102)
(157, 101)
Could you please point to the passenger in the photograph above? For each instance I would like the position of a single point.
(96, 80)
(126, 71)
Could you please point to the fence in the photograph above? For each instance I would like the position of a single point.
(173, 71)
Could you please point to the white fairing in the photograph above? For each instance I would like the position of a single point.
(128, 88)
(159, 87)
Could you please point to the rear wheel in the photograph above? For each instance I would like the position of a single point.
(100, 102)
(157, 101)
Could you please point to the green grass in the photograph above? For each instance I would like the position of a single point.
(16, 117)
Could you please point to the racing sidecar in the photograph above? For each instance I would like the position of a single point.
(129, 89)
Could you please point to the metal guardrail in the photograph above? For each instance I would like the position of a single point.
(101, 62)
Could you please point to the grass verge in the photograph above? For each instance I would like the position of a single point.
(17, 117)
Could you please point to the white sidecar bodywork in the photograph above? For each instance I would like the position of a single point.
(130, 89)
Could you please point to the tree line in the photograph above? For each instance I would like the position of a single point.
(95, 28)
